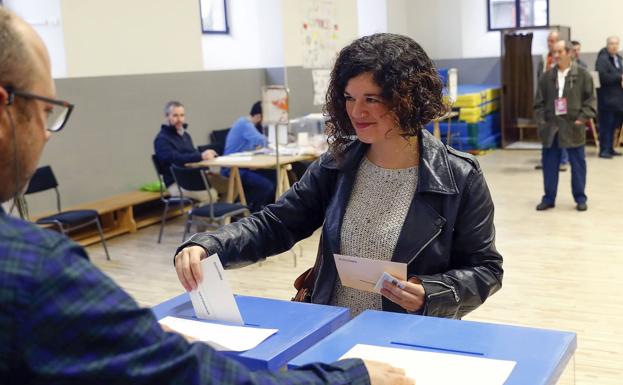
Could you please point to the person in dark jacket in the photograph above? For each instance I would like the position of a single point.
(609, 64)
(564, 102)
(386, 190)
(174, 146)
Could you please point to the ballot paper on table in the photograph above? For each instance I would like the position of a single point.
(220, 337)
(232, 158)
(364, 273)
(213, 299)
(430, 368)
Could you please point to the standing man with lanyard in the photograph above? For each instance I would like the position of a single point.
(564, 101)
(546, 63)
(609, 95)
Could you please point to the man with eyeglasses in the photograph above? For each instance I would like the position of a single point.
(61, 319)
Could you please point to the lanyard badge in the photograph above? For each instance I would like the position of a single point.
(560, 106)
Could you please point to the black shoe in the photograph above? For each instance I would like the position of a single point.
(581, 207)
(538, 166)
(605, 155)
(615, 153)
(544, 206)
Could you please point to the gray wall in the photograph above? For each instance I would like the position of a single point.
(474, 71)
(105, 148)
(301, 86)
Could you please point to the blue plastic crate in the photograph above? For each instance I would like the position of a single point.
(467, 143)
(483, 129)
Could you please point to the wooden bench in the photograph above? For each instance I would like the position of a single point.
(120, 214)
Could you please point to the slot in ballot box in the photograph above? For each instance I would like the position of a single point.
(300, 325)
(540, 355)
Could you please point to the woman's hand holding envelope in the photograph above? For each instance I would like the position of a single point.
(188, 266)
(411, 298)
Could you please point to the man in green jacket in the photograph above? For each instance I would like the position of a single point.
(564, 102)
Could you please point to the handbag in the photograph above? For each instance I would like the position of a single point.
(304, 283)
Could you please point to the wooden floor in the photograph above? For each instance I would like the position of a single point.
(563, 268)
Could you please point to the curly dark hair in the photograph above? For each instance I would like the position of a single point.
(409, 82)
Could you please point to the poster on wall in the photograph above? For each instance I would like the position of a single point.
(320, 33)
(321, 79)
(213, 16)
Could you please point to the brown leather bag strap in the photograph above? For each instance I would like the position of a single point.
(304, 283)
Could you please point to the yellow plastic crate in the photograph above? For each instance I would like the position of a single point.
(475, 99)
(476, 114)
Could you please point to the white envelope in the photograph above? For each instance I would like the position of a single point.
(220, 337)
(364, 273)
(432, 368)
(213, 299)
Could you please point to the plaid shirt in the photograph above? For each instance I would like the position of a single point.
(62, 321)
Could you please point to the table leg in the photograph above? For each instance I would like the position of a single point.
(235, 173)
(285, 181)
(436, 131)
(231, 184)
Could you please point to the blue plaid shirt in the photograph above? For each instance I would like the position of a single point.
(62, 321)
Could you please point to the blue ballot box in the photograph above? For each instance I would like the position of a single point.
(300, 326)
(541, 355)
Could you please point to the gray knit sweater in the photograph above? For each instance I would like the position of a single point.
(374, 216)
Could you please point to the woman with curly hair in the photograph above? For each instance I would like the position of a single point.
(386, 190)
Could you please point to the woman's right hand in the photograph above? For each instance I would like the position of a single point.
(188, 266)
(384, 374)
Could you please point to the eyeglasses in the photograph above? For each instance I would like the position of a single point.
(57, 117)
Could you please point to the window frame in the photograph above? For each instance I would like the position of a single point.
(517, 18)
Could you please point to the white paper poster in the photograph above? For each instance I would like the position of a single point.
(320, 33)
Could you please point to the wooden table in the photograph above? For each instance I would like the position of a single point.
(236, 162)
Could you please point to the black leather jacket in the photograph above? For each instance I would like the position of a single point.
(448, 238)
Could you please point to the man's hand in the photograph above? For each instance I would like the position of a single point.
(410, 298)
(384, 374)
(188, 266)
(208, 155)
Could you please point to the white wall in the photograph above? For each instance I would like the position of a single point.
(397, 16)
(371, 16)
(45, 17)
(119, 37)
(255, 39)
(451, 29)
(591, 22)
(436, 26)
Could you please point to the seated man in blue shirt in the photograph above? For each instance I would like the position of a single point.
(62, 321)
(259, 185)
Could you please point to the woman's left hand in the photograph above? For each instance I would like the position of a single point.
(411, 297)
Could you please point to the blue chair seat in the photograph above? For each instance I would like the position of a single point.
(220, 209)
(177, 200)
(70, 217)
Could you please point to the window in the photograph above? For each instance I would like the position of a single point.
(517, 14)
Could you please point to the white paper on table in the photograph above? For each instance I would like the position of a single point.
(232, 158)
(220, 337)
(430, 368)
(364, 273)
(213, 299)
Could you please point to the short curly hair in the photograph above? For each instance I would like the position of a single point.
(410, 85)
